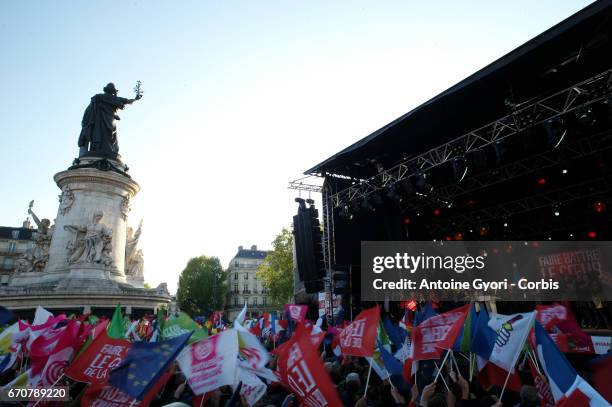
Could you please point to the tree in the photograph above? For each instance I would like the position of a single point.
(276, 271)
(202, 286)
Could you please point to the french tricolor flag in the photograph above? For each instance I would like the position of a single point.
(568, 388)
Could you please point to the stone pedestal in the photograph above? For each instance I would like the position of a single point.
(85, 266)
(86, 191)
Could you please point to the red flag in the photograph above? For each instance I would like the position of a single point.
(576, 399)
(302, 371)
(602, 372)
(103, 394)
(560, 323)
(438, 333)
(541, 384)
(100, 357)
(359, 337)
(493, 375)
(60, 356)
(296, 312)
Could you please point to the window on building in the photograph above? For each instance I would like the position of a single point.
(236, 300)
(15, 234)
(255, 301)
(235, 276)
(4, 278)
(236, 263)
(236, 288)
(11, 247)
(265, 301)
(246, 276)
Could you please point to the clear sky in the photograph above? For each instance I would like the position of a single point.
(240, 97)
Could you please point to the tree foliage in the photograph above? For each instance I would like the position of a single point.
(276, 271)
(202, 286)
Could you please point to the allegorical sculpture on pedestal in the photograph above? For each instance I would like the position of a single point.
(134, 258)
(36, 257)
(99, 125)
(92, 242)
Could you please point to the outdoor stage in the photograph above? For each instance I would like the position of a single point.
(520, 150)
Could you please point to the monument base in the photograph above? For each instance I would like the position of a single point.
(82, 294)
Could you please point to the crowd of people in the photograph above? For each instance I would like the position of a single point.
(353, 358)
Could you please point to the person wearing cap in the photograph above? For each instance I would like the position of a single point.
(99, 125)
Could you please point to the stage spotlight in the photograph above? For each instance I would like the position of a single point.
(377, 198)
(436, 212)
(592, 234)
(407, 186)
(365, 204)
(564, 171)
(556, 210)
(542, 181)
(407, 221)
(458, 236)
(345, 213)
(390, 192)
(600, 206)
(585, 116)
(419, 181)
(505, 224)
(483, 230)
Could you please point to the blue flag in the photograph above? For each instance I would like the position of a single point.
(424, 314)
(483, 336)
(144, 363)
(5, 315)
(396, 335)
(273, 322)
(394, 367)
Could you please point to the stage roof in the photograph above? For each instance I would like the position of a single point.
(573, 50)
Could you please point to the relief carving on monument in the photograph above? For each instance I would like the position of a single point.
(92, 242)
(134, 258)
(125, 207)
(36, 257)
(66, 200)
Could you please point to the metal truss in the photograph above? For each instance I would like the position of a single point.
(507, 210)
(565, 153)
(530, 114)
(300, 185)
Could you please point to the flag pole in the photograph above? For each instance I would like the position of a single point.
(440, 369)
(441, 377)
(504, 388)
(365, 392)
(52, 386)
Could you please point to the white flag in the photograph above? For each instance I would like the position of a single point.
(252, 387)
(512, 332)
(240, 318)
(210, 363)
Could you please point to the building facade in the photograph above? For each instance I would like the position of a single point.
(14, 243)
(244, 286)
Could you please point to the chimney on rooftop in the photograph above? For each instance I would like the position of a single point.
(240, 248)
(254, 247)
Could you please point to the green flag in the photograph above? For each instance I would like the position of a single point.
(466, 339)
(178, 325)
(161, 318)
(116, 327)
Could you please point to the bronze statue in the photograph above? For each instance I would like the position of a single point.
(99, 126)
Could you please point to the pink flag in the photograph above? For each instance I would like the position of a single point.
(61, 355)
(296, 312)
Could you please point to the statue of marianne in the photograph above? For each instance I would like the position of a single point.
(99, 126)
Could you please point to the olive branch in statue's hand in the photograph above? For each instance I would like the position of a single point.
(138, 90)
